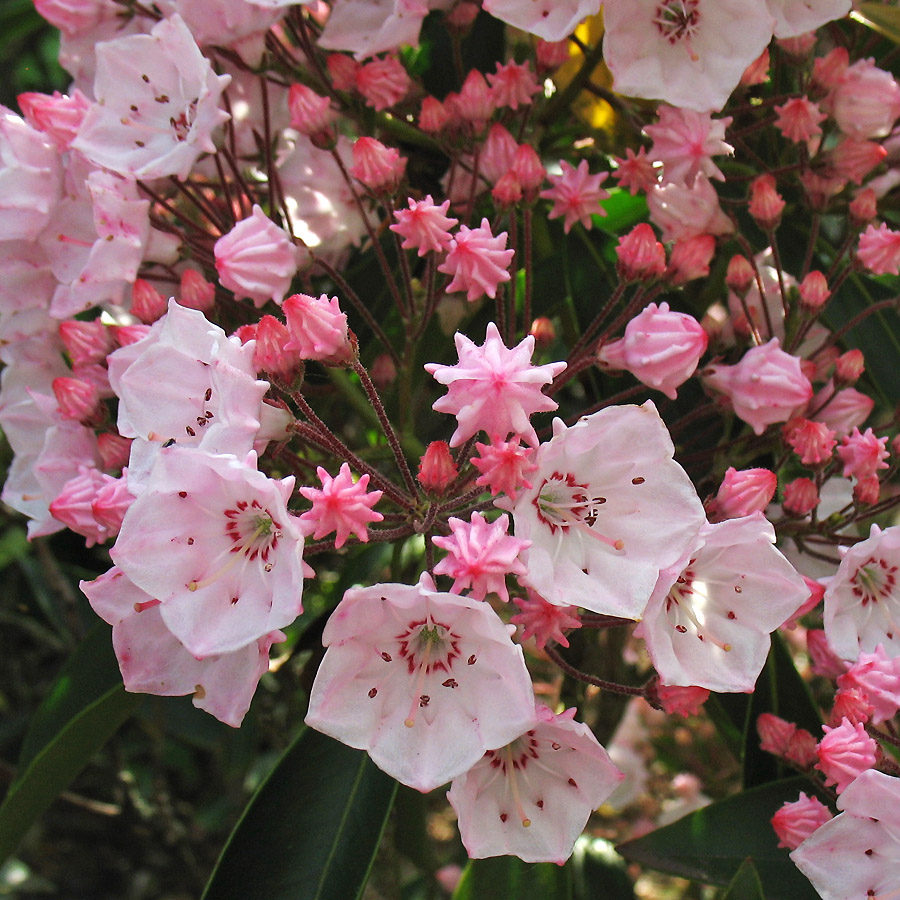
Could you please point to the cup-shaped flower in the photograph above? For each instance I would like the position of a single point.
(532, 797)
(708, 623)
(210, 537)
(153, 661)
(424, 681)
(609, 509)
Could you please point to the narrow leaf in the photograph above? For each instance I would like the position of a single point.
(746, 884)
(59, 761)
(312, 829)
(508, 878)
(710, 845)
(879, 17)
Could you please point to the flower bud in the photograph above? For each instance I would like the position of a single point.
(801, 496)
(196, 292)
(814, 291)
(378, 167)
(849, 367)
(86, 342)
(146, 302)
(740, 274)
(543, 332)
(436, 468)
(641, 256)
(78, 400)
(795, 822)
(766, 204)
(744, 492)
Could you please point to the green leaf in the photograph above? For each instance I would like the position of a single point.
(598, 872)
(508, 878)
(59, 761)
(89, 673)
(312, 829)
(879, 17)
(746, 884)
(711, 845)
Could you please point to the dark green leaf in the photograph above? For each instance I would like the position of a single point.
(508, 878)
(710, 845)
(59, 761)
(880, 17)
(598, 872)
(746, 884)
(89, 673)
(312, 829)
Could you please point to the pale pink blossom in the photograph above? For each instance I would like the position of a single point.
(478, 261)
(877, 676)
(799, 119)
(879, 250)
(497, 154)
(708, 623)
(866, 101)
(256, 259)
(210, 537)
(513, 84)
(576, 195)
(551, 20)
(636, 171)
(795, 822)
(342, 505)
(853, 159)
(378, 167)
(532, 797)
(856, 854)
(862, 601)
(505, 466)
(72, 506)
(796, 17)
(745, 492)
(684, 211)
(661, 348)
(160, 121)
(318, 328)
(690, 53)
(609, 509)
(863, 454)
(382, 82)
(689, 258)
(480, 554)
(842, 410)
(494, 388)
(424, 681)
(153, 661)
(844, 753)
(765, 387)
(425, 226)
(544, 621)
(685, 141)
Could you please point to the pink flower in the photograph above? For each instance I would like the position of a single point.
(766, 204)
(383, 82)
(544, 621)
(424, 681)
(504, 466)
(685, 142)
(73, 505)
(532, 797)
(689, 258)
(635, 172)
(58, 116)
(799, 119)
(576, 195)
(513, 85)
(153, 661)
(475, 103)
(866, 101)
(814, 292)
(879, 250)
(661, 348)
(877, 677)
(813, 442)
(862, 601)
(378, 167)
(765, 387)
(478, 261)
(367, 28)
(494, 388)
(745, 492)
(793, 18)
(845, 752)
(863, 454)
(256, 259)
(424, 226)
(684, 211)
(551, 20)
(855, 854)
(480, 556)
(795, 822)
(609, 509)
(342, 506)
(311, 113)
(160, 123)
(851, 704)
(318, 328)
(690, 53)
(680, 700)
(708, 624)
(210, 537)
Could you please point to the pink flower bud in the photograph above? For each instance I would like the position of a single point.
(476, 100)
(529, 170)
(766, 204)
(383, 371)
(543, 332)
(824, 661)
(863, 454)
(814, 291)
(129, 334)
(877, 676)
(799, 46)
(795, 822)
(78, 399)
(318, 329)
(798, 119)
(256, 259)
(497, 153)
(660, 348)
(853, 159)
(829, 69)
(641, 256)
(436, 468)
(849, 367)
(146, 302)
(744, 492)
(758, 71)
(57, 116)
(813, 442)
(765, 387)
(845, 752)
(513, 85)
(111, 503)
(86, 342)
(842, 411)
(816, 593)
(852, 704)
(342, 69)
(196, 292)
(378, 167)
(504, 466)
(681, 701)
(72, 506)
(866, 101)
(774, 733)
(879, 250)
(507, 191)
(801, 749)
(551, 54)
(270, 354)
(801, 496)
(433, 116)
(383, 82)
(863, 207)
(867, 491)
(311, 114)
(114, 450)
(740, 274)
(424, 226)
(689, 259)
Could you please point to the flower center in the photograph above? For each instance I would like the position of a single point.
(874, 580)
(686, 599)
(677, 19)
(511, 760)
(562, 502)
(252, 530)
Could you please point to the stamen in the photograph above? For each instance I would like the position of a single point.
(510, 771)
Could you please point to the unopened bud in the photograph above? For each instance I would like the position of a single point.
(814, 291)
(436, 468)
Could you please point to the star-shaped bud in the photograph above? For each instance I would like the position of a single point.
(342, 505)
